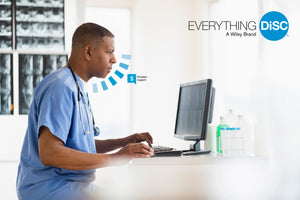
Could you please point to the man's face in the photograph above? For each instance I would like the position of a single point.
(102, 58)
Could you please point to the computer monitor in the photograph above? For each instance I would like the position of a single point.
(194, 111)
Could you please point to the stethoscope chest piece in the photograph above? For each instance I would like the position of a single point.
(96, 130)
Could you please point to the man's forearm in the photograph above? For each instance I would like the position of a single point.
(103, 146)
(52, 152)
(67, 158)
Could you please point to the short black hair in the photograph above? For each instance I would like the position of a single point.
(88, 33)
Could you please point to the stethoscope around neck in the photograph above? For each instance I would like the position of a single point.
(95, 128)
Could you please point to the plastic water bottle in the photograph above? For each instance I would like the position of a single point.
(246, 130)
(232, 141)
(237, 146)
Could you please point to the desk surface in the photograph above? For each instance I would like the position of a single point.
(189, 177)
(207, 159)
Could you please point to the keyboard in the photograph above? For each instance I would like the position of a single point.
(165, 151)
(161, 148)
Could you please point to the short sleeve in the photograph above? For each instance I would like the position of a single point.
(56, 110)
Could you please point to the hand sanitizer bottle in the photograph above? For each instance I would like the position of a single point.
(220, 128)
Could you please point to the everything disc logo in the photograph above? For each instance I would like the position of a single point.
(274, 26)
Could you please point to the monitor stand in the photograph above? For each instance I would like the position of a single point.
(195, 150)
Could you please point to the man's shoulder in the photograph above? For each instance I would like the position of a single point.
(60, 79)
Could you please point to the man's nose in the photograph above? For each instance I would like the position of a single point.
(114, 60)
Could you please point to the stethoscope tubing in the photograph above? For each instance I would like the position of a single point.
(96, 129)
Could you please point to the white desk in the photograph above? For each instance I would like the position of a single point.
(190, 177)
(204, 159)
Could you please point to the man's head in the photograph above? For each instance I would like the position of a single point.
(95, 45)
(89, 33)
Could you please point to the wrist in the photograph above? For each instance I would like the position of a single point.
(118, 158)
(107, 159)
(127, 140)
(132, 138)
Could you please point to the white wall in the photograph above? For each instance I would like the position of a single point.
(166, 52)
(279, 87)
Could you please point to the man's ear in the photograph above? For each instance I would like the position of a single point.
(87, 50)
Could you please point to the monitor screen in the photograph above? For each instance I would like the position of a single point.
(194, 109)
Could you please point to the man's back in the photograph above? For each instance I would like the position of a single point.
(54, 106)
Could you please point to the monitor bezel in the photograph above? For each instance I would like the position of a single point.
(208, 92)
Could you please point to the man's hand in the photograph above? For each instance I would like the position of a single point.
(135, 150)
(103, 146)
(140, 137)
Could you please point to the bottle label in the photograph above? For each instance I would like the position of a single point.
(230, 141)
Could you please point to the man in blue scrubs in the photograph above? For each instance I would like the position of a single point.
(60, 154)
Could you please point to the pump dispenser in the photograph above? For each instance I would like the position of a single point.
(231, 118)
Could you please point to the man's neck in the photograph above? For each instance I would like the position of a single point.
(79, 70)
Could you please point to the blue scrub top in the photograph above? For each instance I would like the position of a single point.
(55, 105)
